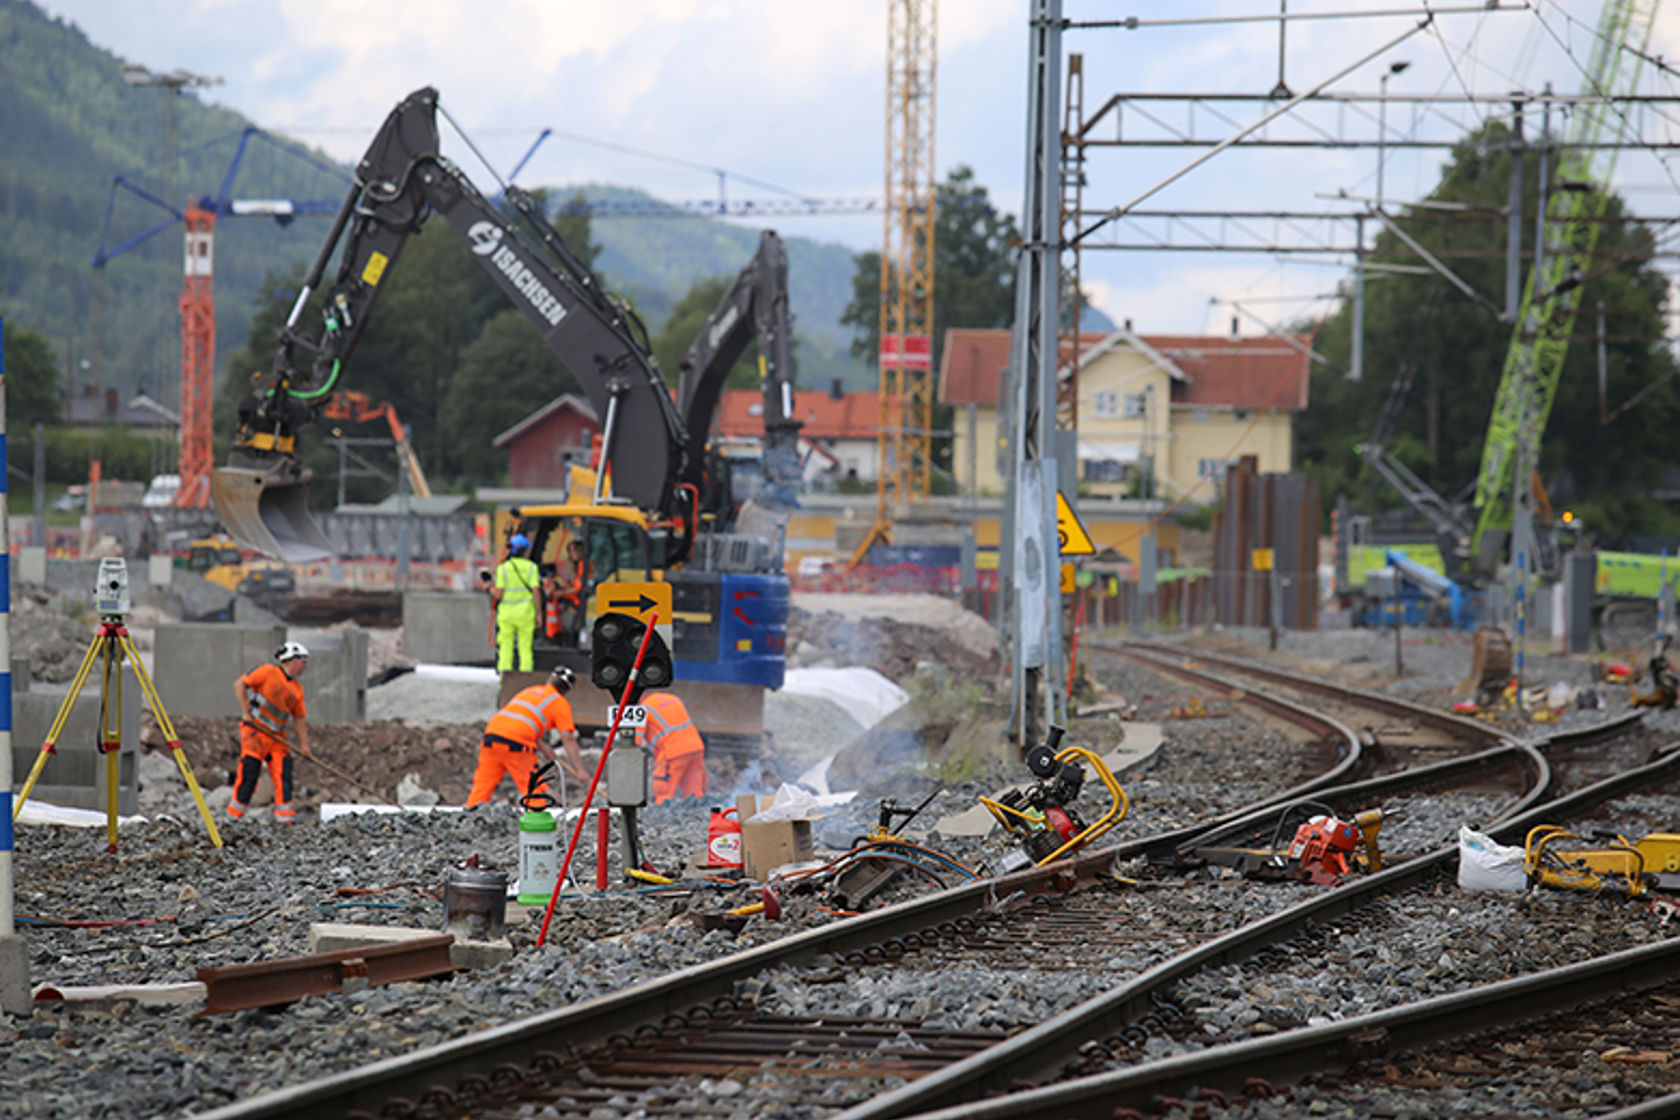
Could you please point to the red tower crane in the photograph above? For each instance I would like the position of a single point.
(198, 357)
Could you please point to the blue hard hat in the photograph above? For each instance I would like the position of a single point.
(519, 542)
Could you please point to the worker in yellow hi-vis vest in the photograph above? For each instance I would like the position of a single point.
(514, 599)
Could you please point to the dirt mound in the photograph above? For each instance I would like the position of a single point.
(889, 645)
(376, 754)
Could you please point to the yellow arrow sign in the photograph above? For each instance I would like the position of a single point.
(1070, 534)
(638, 600)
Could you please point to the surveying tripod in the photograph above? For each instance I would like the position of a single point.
(111, 643)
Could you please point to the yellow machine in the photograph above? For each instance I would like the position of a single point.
(218, 560)
(1555, 857)
(1042, 816)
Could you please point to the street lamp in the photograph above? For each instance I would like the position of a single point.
(1382, 121)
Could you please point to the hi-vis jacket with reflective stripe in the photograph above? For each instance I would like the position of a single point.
(530, 713)
(274, 699)
(669, 730)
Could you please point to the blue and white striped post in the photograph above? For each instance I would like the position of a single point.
(14, 955)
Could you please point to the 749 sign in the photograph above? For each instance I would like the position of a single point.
(635, 715)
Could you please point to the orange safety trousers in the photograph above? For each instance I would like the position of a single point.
(678, 774)
(496, 759)
(255, 749)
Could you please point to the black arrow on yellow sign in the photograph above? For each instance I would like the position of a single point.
(642, 604)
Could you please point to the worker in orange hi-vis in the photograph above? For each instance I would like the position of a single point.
(679, 754)
(515, 738)
(271, 701)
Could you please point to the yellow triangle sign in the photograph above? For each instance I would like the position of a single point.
(1070, 534)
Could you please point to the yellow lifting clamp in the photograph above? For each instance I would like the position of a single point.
(1618, 867)
(1042, 816)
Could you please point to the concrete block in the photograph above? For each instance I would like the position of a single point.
(335, 684)
(330, 937)
(15, 996)
(447, 627)
(480, 954)
(74, 776)
(196, 663)
(160, 570)
(32, 566)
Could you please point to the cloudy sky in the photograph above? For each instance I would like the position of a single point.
(785, 97)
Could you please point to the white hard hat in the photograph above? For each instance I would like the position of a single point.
(291, 650)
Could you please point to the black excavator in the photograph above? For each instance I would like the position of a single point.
(655, 447)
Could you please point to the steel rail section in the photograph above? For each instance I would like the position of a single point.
(1445, 721)
(1309, 1050)
(235, 987)
(1438, 774)
(1038, 1052)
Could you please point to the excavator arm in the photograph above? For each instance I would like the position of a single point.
(402, 180)
(755, 307)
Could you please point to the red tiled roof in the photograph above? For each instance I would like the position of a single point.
(1250, 374)
(973, 360)
(853, 416)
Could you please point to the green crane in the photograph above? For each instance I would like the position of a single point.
(1553, 294)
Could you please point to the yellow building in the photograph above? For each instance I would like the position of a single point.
(1179, 407)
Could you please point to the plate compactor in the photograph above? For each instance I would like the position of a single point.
(1042, 816)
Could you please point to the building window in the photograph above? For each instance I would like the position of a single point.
(1106, 470)
(1105, 403)
(1209, 468)
(1135, 406)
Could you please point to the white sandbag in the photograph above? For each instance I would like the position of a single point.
(1484, 864)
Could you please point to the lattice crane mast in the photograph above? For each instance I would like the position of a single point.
(904, 441)
(1552, 297)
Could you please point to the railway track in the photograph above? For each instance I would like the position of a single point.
(780, 1022)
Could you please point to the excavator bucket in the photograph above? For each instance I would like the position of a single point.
(268, 509)
(1490, 664)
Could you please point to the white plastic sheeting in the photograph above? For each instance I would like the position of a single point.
(866, 695)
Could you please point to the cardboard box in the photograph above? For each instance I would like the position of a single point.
(767, 845)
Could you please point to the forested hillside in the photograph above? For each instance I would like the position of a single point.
(70, 124)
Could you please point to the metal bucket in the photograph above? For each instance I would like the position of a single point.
(268, 509)
(475, 903)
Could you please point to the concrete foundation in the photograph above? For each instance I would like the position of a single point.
(447, 627)
(335, 684)
(74, 776)
(32, 566)
(196, 663)
(15, 995)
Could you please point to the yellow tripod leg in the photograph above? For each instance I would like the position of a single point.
(57, 728)
(110, 740)
(174, 741)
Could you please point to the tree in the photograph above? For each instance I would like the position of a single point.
(973, 269)
(32, 393)
(973, 283)
(504, 375)
(1452, 351)
(687, 318)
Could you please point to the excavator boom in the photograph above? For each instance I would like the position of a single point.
(261, 496)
